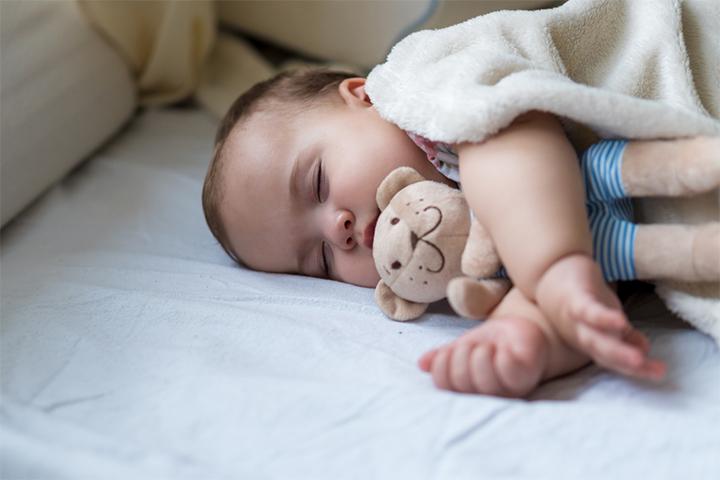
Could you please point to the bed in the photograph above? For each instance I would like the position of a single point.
(132, 347)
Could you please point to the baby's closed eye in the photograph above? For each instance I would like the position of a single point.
(322, 188)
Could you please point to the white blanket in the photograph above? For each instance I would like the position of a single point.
(622, 68)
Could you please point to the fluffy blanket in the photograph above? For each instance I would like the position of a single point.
(608, 68)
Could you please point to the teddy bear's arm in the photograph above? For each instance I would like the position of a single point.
(395, 307)
(472, 298)
(479, 259)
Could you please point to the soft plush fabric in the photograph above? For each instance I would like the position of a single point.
(63, 91)
(622, 68)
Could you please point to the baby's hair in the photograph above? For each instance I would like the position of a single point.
(288, 93)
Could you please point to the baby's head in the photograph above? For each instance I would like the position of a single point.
(291, 186)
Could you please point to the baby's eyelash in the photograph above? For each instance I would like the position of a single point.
(319, 181)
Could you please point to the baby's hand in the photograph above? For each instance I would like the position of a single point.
(589, 316)
(503, 356)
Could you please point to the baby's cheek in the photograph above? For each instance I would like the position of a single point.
(357, 268)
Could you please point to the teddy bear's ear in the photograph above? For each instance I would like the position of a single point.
(396, 180)
(395, 307)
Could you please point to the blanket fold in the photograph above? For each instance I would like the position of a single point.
(620, 67)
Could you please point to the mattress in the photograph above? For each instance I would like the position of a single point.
(131, 347)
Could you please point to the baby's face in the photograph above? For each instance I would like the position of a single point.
(300, 193)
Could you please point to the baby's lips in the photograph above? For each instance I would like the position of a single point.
(369, 233)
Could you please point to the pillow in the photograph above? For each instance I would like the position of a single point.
(63, 93)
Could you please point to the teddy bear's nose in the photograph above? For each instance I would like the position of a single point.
(413, 240)
(395, 265)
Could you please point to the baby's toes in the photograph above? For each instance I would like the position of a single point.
(426, 360)
(439, 369)
(459, 371)
(482, 371)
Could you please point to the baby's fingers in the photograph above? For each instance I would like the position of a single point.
(636, 338)
(610, 351)
(626, 355)
(594, 313)
(652, 370)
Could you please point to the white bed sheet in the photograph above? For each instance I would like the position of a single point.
(132, 348)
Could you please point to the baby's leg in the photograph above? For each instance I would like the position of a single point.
(507, 355)
(679, 167)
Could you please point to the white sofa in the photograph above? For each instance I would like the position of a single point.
(64, 92)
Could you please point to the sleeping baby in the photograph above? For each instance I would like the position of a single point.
(292, 184)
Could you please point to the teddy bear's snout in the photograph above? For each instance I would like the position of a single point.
(415, 239)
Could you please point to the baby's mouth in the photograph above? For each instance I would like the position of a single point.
(369, 232)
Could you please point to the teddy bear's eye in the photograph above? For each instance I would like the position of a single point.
(394, 221)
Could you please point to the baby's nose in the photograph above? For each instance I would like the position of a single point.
(344, 231)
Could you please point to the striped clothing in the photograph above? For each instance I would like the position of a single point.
(610, 211)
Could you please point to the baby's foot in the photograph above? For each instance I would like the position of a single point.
(589, 316)
(503, 356)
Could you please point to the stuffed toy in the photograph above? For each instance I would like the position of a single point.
(427, 247)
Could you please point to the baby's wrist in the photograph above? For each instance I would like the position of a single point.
(556, 270)
(551, 291)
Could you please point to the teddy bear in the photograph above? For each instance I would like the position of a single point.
(428, 246)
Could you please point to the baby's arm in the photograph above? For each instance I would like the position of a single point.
(524, 185)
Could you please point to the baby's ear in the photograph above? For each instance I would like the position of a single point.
(352, 91)
(395, 307)
(396, 180)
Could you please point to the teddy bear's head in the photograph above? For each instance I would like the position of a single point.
(419, 239)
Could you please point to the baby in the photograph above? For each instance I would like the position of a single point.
(291, 188)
